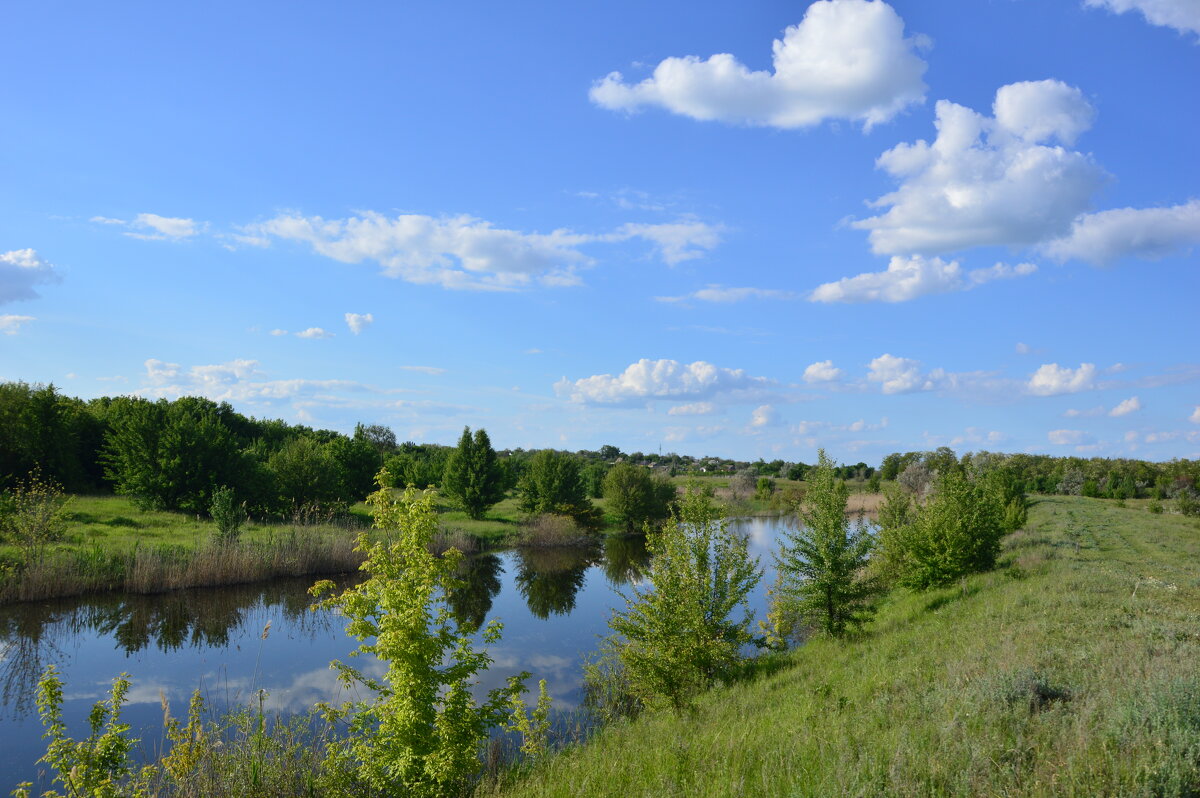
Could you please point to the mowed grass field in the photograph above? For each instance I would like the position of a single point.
(1072, 669)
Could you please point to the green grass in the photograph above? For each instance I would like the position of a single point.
(1072, 669)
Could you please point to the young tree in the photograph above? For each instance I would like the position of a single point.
(553, 483)
(676, 635)
(956, 532)
(422, 732)
(636, 496)
(821, 565)
(473, 479)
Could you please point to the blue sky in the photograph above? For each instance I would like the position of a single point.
(743, 229)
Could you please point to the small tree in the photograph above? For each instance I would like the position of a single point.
(473, 478)
(635, 496)
(955, 533)
(226, 515)
(422, 733)
(33, 515)
(676, 635)
(821, 565)
(553, 483)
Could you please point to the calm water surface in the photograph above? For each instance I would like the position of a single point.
(554, 604)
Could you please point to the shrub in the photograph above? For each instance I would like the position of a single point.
(34, 515)
(226, 515)
(675, 636)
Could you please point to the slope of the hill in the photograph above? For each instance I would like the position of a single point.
(1072, 669)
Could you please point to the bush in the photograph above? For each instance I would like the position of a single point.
(34, 515)
(675, 636)
(955, 533)
(226, 515)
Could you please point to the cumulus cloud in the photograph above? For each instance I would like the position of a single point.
(242, 380)
(764, 416)
(847, 59)
(314, 332)
(728, 294)
(659, 379)
(908, 278)
(1130, 405)
(898, 374)
(822, 371)
(1195, 416)
(11, 324)
(1051, 379)
(996, 180)
(693, 409)
(1182, 15)
(357, 322)
(20, 271)
(1068, 437)
(1148, 233)
(463, 252)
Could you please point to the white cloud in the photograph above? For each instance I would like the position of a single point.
(675, 242)
(161, 228)
(277, 332)
(314, 332)
(1148, 233)
(357, 322)
(462, 252)
(822, 371)
(1050, 379)
(1022, 349)
(989, 180)
(1130, 405)
(1195, 416)
(20, 271)
(1068, 437)
(659, 379)
(1091, 412)
(1182, 15)
(433, 371)
(898, 374)
(908, 278)
(158, 371)
(847, 59)
(764, 416)
(693, 409)
(727, 294)
(11, 325)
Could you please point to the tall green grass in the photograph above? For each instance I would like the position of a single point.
(1072, 669)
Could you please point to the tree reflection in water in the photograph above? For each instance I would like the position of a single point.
(472, 600)
(549, 578)
(32, 634)
(625, 559)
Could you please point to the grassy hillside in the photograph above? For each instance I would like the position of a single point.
(1073, 669)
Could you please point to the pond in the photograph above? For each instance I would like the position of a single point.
(231, 642)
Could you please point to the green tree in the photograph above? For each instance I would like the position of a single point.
(304, 473)
(422, 732)
(473, 478)
(822, 564)
(685, 627)
(553, 483)
(635, 496)
(956, 532)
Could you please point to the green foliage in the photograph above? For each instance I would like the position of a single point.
(1187, 503)
(418, 465)
(227, 515)
(676, 635)
(1155, 506)
(533, 726)
(473, 478)
(954, 533)
(821, 565)
(421, 733)
(33, 515)
(98, 766)
(635, 496)
(304, 474)
(764, 487)
(553, 483)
